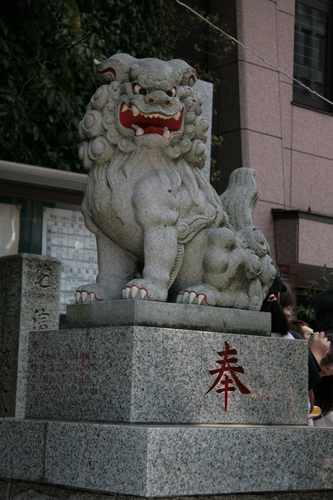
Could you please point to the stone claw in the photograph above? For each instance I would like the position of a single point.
(134, 291)
(191, 297)
(85, 297)
(201, 300)
(131, 292)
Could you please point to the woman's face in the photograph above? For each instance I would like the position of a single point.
(287, 312)
(326, 363)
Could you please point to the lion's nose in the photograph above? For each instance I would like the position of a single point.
(160, 98)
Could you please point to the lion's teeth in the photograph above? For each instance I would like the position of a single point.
(138, 130)
(166, 133)
(135, 110)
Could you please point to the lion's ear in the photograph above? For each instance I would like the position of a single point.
(114, 68)
(188, 74)
(191, 79)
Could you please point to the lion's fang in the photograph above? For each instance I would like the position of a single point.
(135, 110)
(166, 133)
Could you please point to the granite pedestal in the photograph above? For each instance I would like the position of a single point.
(160, 375)
(135, 410)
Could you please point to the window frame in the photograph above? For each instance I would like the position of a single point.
(306, 100)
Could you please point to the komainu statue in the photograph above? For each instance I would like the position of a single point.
(162, 231)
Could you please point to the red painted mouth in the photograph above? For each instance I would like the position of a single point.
(153, 123)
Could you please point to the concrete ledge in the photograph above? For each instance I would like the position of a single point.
(166, 461)
(166, 315)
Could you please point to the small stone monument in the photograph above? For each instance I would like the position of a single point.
(166, 382)
(29, 301)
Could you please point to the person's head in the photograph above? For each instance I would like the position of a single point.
(286, 301)
(271, 304)
(296, 325)
(322, 304)
(326, 362)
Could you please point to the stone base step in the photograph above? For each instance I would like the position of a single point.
(167, 461)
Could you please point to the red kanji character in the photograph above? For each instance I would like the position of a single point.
(227, 387)
(226, 363)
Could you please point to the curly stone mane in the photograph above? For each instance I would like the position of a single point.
(113, 146)
(104, 140)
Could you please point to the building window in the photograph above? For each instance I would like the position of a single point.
(313, 65)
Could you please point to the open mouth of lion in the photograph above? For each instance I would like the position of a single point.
(153, 123)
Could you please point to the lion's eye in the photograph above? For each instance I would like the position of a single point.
(172, 92)
(137, 89)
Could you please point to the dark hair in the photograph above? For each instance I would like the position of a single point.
(296, 325)
(322, 304)
(286, 299)
(323, 392)
(279, 320)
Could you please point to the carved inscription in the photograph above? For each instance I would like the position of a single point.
(43, 273)
(41, 319)
(227, 366)
(62, 373)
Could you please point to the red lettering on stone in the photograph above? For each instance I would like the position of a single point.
(222, 378)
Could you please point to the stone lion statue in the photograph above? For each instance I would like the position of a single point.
(162, 231)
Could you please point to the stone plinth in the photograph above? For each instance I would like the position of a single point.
(166, 315)
(29, 300)
(162, 375)
(162, 461)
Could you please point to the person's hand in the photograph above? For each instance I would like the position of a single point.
(319, 346)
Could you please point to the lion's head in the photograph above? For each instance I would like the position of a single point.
(143, 102)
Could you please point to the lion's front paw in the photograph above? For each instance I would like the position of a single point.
(201, 295)
(144, 290)
(94, 292)
(207, 295)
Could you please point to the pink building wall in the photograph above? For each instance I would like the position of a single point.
(290, 147)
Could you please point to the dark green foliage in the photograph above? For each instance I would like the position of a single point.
(305, 310)
(46, 79)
